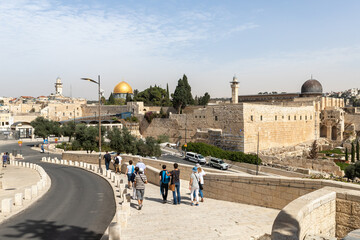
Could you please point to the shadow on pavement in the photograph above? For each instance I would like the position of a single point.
(40, 229)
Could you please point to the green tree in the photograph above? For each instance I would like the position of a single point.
(44, 127)
(346, 155)
(116, 140)
(88, 137)
(182, 96)
(204, 100)
(314, 150)
(153, 96)
(357, 150)
(128, 98)
(352, 152)
(111, 100)
(68, 129)
(350, 171)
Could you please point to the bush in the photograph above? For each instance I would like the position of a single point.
(163, 138)
(209, 150)
(342, 165)
(352, 171)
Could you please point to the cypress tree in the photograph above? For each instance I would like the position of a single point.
(346, 155)
(357, 150)
(352, 152)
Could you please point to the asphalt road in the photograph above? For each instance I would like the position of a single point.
(79, 205)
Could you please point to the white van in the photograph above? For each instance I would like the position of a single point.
(196, 158)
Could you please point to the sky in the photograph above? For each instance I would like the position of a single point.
(270, 45)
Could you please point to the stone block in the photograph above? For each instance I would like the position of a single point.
(43, 159)
(6, 205)
(81, 164)
(61, 161)
(34, 191)
(19, 199)
(31, 165)
(343, 206)
(123, 219)
(39, 186)
(28, 194)
(77, 164)
(27, 165)
(108, 174)
(71, 163)
(114, 231)
(65, 162)
(53, 161)
(57, 161)
(112, 175)
(95, 169)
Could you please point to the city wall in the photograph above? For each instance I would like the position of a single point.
(278, 125)
(353, 118)
(328, 212)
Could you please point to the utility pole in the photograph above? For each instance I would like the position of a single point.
(257, 155)
(99, 122)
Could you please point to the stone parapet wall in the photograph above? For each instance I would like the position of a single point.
(347, 212)
(311, 214)
(273, 192)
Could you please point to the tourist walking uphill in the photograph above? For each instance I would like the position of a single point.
(175, 180)
(130, 171)
(117, 163)
(164, 183)
(201, 173)
(194, 186)
(107, 158)
(140, 181)
(5, 158)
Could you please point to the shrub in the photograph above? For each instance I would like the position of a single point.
(209, 150)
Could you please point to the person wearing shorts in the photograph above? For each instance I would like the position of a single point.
(140, 181)
(130, 170)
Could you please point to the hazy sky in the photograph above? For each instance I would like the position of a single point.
(269, 45)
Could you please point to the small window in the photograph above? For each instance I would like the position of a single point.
(306, 117)
(261, 118)
(252, 118)
(283, 117)
(203, 116)
(195, 116)
(216, 118)
(289, 117)
(63, 114)
(294, 117)
(310, 117)
(70, 113)
(67, 107)
(300, 117)
(275, 118)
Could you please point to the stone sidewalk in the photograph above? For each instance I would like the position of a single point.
(15, 179)
(213, 219)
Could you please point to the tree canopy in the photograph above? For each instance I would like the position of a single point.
(153, 96)
(44, 127)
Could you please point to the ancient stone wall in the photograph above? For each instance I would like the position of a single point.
(347, 212)
(353, 118)
(161, 126)
(90, 110)
(278, 126)
(264, 191)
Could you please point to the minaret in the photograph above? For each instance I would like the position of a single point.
(58, 87)
(234, 90)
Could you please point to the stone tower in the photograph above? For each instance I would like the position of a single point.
(234, 90)
(58, 87)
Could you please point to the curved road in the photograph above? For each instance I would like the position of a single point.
(79, 205)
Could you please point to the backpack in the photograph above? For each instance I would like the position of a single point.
(117, 160)
(165, 178)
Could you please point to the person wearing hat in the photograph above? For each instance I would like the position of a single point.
(194, 186)
(140, 181)
(201, 173)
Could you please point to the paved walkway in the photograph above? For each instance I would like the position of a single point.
(15, 179)
(213, 219)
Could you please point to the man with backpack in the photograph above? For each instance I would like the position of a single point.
(107, 158)
(117, 163)
(164, 183)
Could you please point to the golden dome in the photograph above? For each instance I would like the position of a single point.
(123, 87)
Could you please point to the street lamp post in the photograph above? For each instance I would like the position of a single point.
(99, 92)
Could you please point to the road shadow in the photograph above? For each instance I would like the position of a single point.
(43, 230)
(285, 227)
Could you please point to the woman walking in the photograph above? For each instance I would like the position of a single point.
(175, 179)
(140, 181)
(201, 173)
(194, 186)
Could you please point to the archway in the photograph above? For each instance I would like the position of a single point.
(323, 131)
(334, 133)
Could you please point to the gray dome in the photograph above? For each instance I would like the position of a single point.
(311, 86)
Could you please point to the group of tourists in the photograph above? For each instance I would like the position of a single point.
(169, 180)
(6, 159)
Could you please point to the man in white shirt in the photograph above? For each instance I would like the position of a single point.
(117, 164)
(140, 164)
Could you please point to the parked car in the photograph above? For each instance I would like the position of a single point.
(218, 163)
(196, 158)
